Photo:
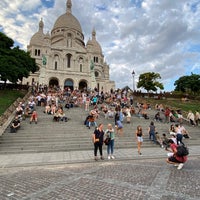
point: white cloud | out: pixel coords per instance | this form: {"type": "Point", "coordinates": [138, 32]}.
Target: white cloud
{"type": "Point", "coordinates": [145, 35]}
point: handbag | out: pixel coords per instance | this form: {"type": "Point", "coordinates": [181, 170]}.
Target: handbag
{"type": "Point", "coordinates": [107, 141]}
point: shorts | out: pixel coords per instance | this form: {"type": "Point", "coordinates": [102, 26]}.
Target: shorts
{"type": "Point", "coordinates": [173, 159]}
{"type": "Point", "coordinates": [139, 139]}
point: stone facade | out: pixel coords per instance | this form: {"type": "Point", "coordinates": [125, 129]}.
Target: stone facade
{"type": "Point", "coordinates": [64, 59]}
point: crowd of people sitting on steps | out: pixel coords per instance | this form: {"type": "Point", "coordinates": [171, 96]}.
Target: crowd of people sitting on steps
{"type": "Point", "coordinates": [23, 111]}
{"type": "Point", "coordinates": [54, 100]}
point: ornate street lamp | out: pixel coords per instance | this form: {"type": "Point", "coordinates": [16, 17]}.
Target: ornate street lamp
{"type": "Point", "coordinates": [133, 75]}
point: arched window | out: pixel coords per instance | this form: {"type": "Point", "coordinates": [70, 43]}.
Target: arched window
{"type": "Point", "coordinates": [81, 68]}
{"type": "Point", "coordinates": [37, 52]}
{"type": "Point", "coordinates": [69, 40]}
{"type": "Point", "coordinates": [96, 60]}
{"type": "Point", "coordinates": [69, 83]}
{"type": "Point", "coordinates": [96, 74]}
{"type": "Point", "coordinates": [56, 62]}
{"type": "Point", "coordinates": [69, 60]}
{"type": "Point", "coordinates": [56, 65]}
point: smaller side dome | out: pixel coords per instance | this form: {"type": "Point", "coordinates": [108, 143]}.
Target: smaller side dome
{"type": "Point", "coordinates": [89, 42]}
{"type": "Point", "coordinates": [93, 45]}
{"type": "Point", "coordinates": [38, 38]}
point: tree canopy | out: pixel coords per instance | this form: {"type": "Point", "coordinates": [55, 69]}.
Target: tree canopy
{"type": "Point", "coordinates": [15, 64]}
{"type": "Point", "coordinates": [149, 81]}
{"type": "Point", "coordinates": [188, 84]}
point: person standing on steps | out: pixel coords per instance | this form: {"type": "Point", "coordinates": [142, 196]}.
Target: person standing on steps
{"type": "Point", "coordinates": [139, 138]}
{"type": "Point", "coordinates": [98, 138]}
{"type": "Point", "coordinates": [179, 135]}
{"type": "Point", "coordinates": [118, 124]}
{"type": "Point", "coordinates": [109, 133]}
{"type": "Point", "coordinates": [152, 132]}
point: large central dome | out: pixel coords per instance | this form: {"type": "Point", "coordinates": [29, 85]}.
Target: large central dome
{"type": "Point", "coordinates": [68, 20]}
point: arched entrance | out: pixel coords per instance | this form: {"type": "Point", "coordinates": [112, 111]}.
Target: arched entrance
{"type": "Point", "coordinates": [53, 82]}
{"type": "Point", "coordinates": [69, 83]}
{"type": "Point", "coordinates": [82, 85]}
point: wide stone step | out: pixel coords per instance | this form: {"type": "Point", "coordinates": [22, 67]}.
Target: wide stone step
{"type": "Point", "coordinates": [60, 147]}
{"type": "Point", "coordinates": [61, 140]}
{"type": "Point", "coordinates": [72, 145]}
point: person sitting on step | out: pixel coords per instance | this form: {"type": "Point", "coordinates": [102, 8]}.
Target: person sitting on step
{"type": "Point", "coordinates": [158, 117]}
{"type": "Point", "coordinates": [92, 121]}
{"type": "Point", "coordinates": [61, 115]}
{"type": "Point", "coordinates": [34, 117]}
{"type": "Point", "coordinates": [15, 125]}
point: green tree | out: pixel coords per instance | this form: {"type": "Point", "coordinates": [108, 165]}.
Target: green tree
{"type": "Point", "coordinates": [5, 42]}
{"type": "Point", "coordinates": [15, 64]}
{"type": "Point", "coordinates": [149, 81]}
{"type": "Point", "coordinates": [188, 84]}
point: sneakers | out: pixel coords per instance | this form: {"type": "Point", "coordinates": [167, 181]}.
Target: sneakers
{"type": "Point", "coordinates": [113, 157]}
{"type": "Point", "coordinates": [96, 158]}
{"type": "Point", "coordinates": [109, 157]}
{"type": "Point", "coordinates": [180, 166]}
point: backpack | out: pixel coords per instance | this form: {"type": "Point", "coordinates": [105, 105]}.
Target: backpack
{"type": "Point", "coordinates": [182, 150]}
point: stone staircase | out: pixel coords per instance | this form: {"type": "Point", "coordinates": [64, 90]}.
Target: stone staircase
{"type": "Point", "coordinates": [49, 136]}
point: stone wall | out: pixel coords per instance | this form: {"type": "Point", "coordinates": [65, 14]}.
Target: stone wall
{"type": "Point", "coordinates": [8, 115]}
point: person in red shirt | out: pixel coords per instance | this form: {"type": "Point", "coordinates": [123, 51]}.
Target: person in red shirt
{"type": "Point", "coordinates": [174, 158]}
{"type": "Point", "coordinates": [34, 117]}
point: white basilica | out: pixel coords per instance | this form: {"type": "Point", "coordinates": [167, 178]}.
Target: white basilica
{"type": "Point", "coordinates": [63, 58]}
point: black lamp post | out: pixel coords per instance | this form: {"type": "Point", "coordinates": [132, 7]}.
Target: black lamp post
{"type": "Point", "coordinates": [133, 75]}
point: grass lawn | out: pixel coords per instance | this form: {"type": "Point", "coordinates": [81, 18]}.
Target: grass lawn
{"type": "Point", "coordinates": [176, 104]}
{"type": "Point", "coordinates": [7, 97]}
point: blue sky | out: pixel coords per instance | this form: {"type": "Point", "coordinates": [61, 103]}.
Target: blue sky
{"type": "Point", "coordinates": [140, 35]}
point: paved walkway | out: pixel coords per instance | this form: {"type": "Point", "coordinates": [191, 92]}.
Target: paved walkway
{"type": "Point", "coordinates": [33, 159]}
{"type": "Point", "coordinates": [145, 179]}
